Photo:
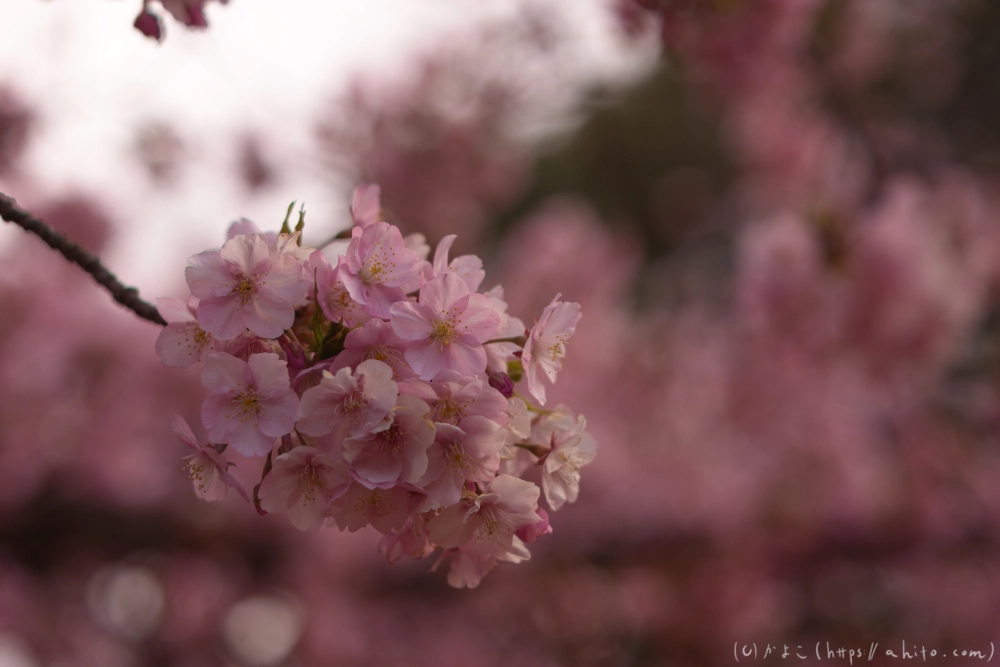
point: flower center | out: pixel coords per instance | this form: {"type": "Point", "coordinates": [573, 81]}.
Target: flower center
{"type": "Point", "coordinates": [197, 466]}
{"type": "Point", "coordinates": [556, 351]}
{"type": "Point", "coordinates": [354, 402]}
{"type": "Point", "coordinates": [201, 337]}
{"type": "Point", "coordinates": [371, 271]}
{"type": "Point", "coordinates": [390, 439]}
{"type": "Point", "coordinates": [248, 404]}
{"type": "Point", "coordinates": [458, 459]}
{"type": "Point", "coordinates": [493, 525]}
{"type": "Point", "coordinates": [245, 288]}
{"type": "Point", "coordinates": [339, 299]}
{"type": "Point", "coordinates": [443, 332]}
{"type": "Point", "coordinates": [448, 411]}
{"type": "Point", "coordinates": [375, 504]}
{"type": "Point", "coordinates": [312, 483]}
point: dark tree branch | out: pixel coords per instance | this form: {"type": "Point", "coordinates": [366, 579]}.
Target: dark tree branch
{"type": "Point", "coordinates": [126, 296]}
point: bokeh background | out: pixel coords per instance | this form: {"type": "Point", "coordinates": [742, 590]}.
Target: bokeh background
{"type": "Point", "coordinates": [778, 215]}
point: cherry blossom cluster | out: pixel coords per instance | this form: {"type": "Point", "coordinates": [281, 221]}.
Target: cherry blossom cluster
{"type": "Point", "coordinates": [380, 387]}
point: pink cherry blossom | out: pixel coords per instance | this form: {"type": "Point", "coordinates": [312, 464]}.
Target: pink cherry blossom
{"type": "Point", "coordinates": [410, 540]}
{"type": "Point", "coordinates": [207, 468]}
{"type": "Point", "coordinates": [571, 449]}
{"type": "Point", "coordinates": [418, 244]}
{"type": "Point", "coordinates": [374, 340]}
{"type": "Point", "coordinates": [303, 482]}
{"type": "Point", "coordinates": [485, 527]}
{"type": "Point", "coordinates": [331, 293]}
{"type": "Point", "coordinates": [453, 397]}
{"type": "Point", "coordinates": [469, 452]}
{"type": "Point", "coordinates": [378, 265]}
{"type": "Point", "coordinates": [395, 453]}
{"type": "Point", "coordinates": [183, 342]}
{"type": "Point", "coordinates": [545, 348]}
{"type": "Point", "coordinates": [446, 328]}
{"type": "Point", "coordinates": [246, 286]}
{"type": "Point", "coordinates": [518, 430]}
{"type": "Point", "coordinates": [251, 402]}
{"type": "Point", "coordinates": [385, 509]}
{"type": "Point", "coordinates": [349, 404]}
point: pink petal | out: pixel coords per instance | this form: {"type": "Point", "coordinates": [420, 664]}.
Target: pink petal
{"type": "Point", "coordinates": [208, 485]}
{"type": "Point", "coordinates": [378, 469]}
{"type": "Point", "coordinates": [442, 293]}
{"type": "Point", "coordinates": [245, 254]}
{"type": "Point", "coordinates": [517, 497]}
{"type": "Point", "coordinates": [380, 298]}
{"type": "Point", "coordinates": [441, 254]}
{"type": "Point", "coordinates": [390, 508]}
{"type": "Point", "coordinates": [411, 321]}
{"type": "Point", "coordinates": [378, 384]}
{"type": "Point", "coordinates": [268, 316]}
{"type": "Point", "coordinates": [219, 417]}
{"type": "Point", "coordinates": [270, 373]}
{"type": "Point", "coordinates": [535, 386]}
{"type": "Point", "coordinates": [400, 264]}
{"type": "Point", "coordinates": [426, 358]}
{"type": "Point", "coordinates": [277, 416]}
{"type": "Point", "coordinates": [479, 319]}
{"type": "Point", "coordinates": [366, 205]}
{"type": "Point", "coordinates": [465, 356]}
{"type": "Point", "coordinates": [277, 488]}
{"type": "Point", "coordinates": [247, 439]}
{"type": "Point", "coordinates": [221, 317]}
{"type": "Point", "coordinates": [184, 432]}
{"type": "Point", "coordinates": [354, 286]}
{"type": "Point", "coordinates": [173, 309]}
{"type": "Point", "coordinates": [467, 572]}
{"type": "Point", "coordinates": [308, 513]}
{"type": "Point", "coordinates": [231, 481]}
{"type": "Point", "coordinates": [207, 277]}
{"type": "Point", "coordinates": [449, 529]}
{"type": "Point", "coordinates": [177, 345]}
{"type": "Point", "coordinates": [317, 411]}
{"type": "Point", "coordinates": [285, 280]}
{"type": "Point", "coordinates": [470, 269]}
{"type": "Point", "coordinates": [564, 318]}
{"type": "Point", "coordinates": [242, 227]}
{"type": "Point", "coordinates": [225, 374]}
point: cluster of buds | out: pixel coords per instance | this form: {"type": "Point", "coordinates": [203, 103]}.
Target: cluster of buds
{"type": "Point", "coordinates": [380, 390]}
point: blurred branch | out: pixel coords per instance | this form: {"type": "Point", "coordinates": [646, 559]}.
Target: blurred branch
{"type": "Point", "coordinates": [126, 296]}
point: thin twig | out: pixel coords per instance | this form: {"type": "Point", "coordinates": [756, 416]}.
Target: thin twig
{"type": "Point", "coordinates": [126, 296]}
